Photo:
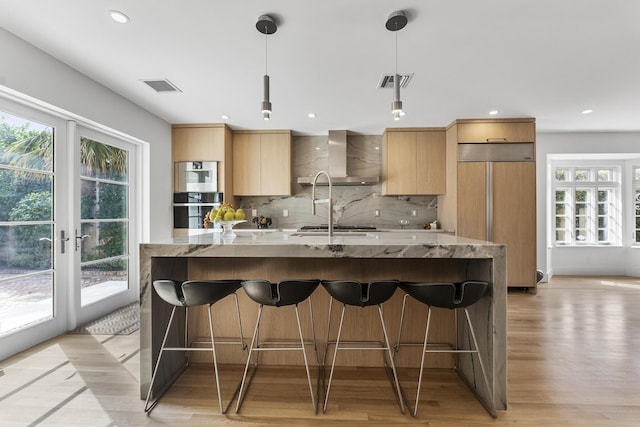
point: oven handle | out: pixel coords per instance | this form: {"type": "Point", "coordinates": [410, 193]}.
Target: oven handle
{"type": "Point", "coordinates": [197, 204]}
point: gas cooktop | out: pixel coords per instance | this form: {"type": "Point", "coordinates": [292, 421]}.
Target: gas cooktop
{"type": "Point", "coordinates": [325, 227]}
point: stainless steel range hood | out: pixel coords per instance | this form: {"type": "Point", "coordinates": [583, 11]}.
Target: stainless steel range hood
{"type": "Point", "coordinates": [337, 156]}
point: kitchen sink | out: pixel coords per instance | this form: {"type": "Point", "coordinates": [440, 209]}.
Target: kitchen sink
{"type": "Point", "coordinates": [335, 234]}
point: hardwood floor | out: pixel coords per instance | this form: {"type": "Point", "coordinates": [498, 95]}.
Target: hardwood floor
{"type": "Point", "coordinates": [574, 359]}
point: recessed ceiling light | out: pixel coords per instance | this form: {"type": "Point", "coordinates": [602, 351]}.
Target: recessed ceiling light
{"type": "Point", "coordinates": [224, 117]}
{"type": "Point", "coordinates": [317, 148]}
{"type": "Point", "coordinates": [311, 115]}
{"type": "Point", "coordinates": [118, 16]}
{"type": "Point", "coordinates": [377, 148]}
{"type": "Point", "coordinates": [587, 112]}
{"type": "Point", "coordinates": [493, 112]}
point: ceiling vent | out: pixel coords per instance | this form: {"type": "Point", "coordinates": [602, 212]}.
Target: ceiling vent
{"type": "Point", "coordinates": [162, 86]}
{"type": "Point", "coordinates": [386, 81]}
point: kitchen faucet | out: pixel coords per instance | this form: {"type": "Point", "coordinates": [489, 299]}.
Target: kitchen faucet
{"type": "Point", "coordinates": [328, 201]}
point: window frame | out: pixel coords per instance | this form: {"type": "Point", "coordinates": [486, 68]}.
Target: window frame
{"type": "Point", "coordinates": [567, 221]}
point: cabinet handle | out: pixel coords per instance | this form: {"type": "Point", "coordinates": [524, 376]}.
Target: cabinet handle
{"type": "Point", "coordinates": [496, 139]}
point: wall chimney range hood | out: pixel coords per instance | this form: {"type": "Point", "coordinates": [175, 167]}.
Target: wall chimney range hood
{"type": "Point", "coordinates": [337, 157]}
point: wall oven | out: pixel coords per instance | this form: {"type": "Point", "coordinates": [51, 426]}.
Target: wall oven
{"type": "Point", "coordinates": [199, 177]}
{"type": "Point", "coordinates": [189, 208]}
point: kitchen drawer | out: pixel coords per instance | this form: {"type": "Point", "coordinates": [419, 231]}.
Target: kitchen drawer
{"type": "Point", "coordinates": [496, 131]}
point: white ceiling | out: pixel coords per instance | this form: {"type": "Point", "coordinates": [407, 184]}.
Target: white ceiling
{"type": "Point", "coordinates": [547, 59]}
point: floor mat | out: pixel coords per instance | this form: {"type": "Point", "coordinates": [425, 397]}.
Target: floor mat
{"type": "Point", "coordinates": [123, 321]}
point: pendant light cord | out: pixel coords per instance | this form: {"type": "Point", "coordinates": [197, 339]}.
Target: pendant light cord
{"type": "Point", "coordinates": [266, 49]}
{"type": "Point", "coordinates": [396, 48]}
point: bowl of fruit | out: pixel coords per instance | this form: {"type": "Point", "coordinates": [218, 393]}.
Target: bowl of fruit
{"type": "Point", "coordinates": [227, 217]}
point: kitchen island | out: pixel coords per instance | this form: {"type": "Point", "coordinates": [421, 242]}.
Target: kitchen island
{"type": "Point", "coordinates": [283, 254]}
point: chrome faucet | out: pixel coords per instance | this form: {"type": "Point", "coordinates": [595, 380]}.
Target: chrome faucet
{"type": "Point", "coordinates": [328, 201]}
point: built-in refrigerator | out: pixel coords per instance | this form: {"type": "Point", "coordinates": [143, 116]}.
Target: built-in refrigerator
{"type": "Point", "coordinates": [497, 202]}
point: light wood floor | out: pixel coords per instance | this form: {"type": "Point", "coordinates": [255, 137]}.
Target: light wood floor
{"type": "Point", "coordinates": [574, 359]}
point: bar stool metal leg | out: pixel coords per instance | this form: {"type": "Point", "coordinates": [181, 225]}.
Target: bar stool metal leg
{"type": "Point", "coordinates": [148, 407]}
{"type": "Point", "coordinates": [491, 410]}
{"type": "Point", "coordinates": [393, 366]}
{"type": "Point", "coordinates": [333, 362]}
{"type": "Point", "coordinates": [306, 363]}
{"type": "Point", "coordinates": [424, 351]}
{"type": "Point", "coordinates": [215, 361]}
{"type": "Point", "coordinates": [244, 344]}
{"type": "Point", "coordinates": [246, 368]}
{"type": "Point", "coordinates": [396, 348]}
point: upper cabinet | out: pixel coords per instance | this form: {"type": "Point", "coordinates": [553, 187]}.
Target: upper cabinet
{"type": "Point", "coordinates": [262, 163]}
{"type": "Point", "coordinates": [495, 130]}
{"type": "Point", "coordinates": [413, 161]}
{"type": "Point", "coordinates": [205, 142]}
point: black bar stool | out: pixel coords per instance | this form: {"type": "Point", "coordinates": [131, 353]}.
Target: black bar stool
{"type": "Point", "coordinates": [452, 296]}
{"type": "Point", "coordinates": [287, 292]}
{"type": "Point", "coordinates": [353, 293]}
{"type": "Point", "coordinates": [191, 294]}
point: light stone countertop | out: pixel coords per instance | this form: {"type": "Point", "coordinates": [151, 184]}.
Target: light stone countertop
{"type": "Point", "coordinates": [285, 243]}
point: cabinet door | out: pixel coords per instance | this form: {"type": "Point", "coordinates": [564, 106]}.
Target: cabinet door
{"type": "Point", "coordinates": [472, 200]}
{"type": "Point", "coordinates": [401, 163]}
{"type": "Point", "coordinates": [514, 219]}
{"type": "Point", "coordinates": [496, 132]}
{"type": "Point", "coordinates": [197, 143]}
{"type": "Point", "coordinates": [275, 164]}
{"type": "Point", "coordinates": [246, 164]}
{"type": "Point", "coordinates": [430, 162]}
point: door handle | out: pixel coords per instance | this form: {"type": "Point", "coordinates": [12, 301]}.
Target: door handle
{"type": "Point", "coordinates": [80, 239]}
{"type": "Point", "coordinates": [62, 239]}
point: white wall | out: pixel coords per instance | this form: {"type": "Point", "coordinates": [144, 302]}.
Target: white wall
{"type": "Point", "coordinates": [31, 72]}
{"type": "Point", "coordinates": [583, 260]}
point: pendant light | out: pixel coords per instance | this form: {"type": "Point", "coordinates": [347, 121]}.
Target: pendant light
{"type": "Point", "coordinates": [395, 22]}
{"type": "Point", "coordinates": [266, 25]}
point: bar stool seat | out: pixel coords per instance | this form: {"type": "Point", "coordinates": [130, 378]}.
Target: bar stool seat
{"type": "Point", "coordinates": [451, 296]}
{"type": "Point", "coordinates": [189, 294]}
{"type": "Point", "coordinates": [354, 293]}
{"type": "Point", "coordinates": [281, 294]}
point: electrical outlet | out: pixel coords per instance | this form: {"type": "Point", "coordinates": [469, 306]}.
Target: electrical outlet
{"type": "Point", "coordinates": [285, 213]}
{"type": "Point", "coordinates": [414, 213]}
{"type": "Point", "coordinates": [376, 212]}
{"type": "Point", "coordinates": [254, 212]}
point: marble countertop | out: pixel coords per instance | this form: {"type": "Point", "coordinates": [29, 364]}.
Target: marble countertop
{"type": "Point", "coordinates": [288, 243]}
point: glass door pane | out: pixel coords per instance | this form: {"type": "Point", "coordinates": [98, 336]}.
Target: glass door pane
{"type": "Point", "coordinates": [26, 223]}
{"type": "Point", "coordinates": [103, 238]}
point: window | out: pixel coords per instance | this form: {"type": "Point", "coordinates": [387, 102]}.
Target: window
{"type": "Point", "coordinates": [588, 206]}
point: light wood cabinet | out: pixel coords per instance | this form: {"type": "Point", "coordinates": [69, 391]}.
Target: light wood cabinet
{"type": "Point", "coordinates": [500, 130]}
{"type": "Point", "coordinates": [246, 163]}
{"type": "Point", "coordinates": [204, 142]}
{"type": "Point", "coordinates": [514, 219]}
{"type": "Point", "coordinates": [413, 161]}
{"type": "Point", "coordinates": [512, 213]}
{"type": "Point", "coordinates": [262, 163]}
{"type": "Point", "coordinates": [509, 188]}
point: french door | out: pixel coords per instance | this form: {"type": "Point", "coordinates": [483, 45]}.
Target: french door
{"type": "Point", "coordinates": [66, 234]}
{"type": "Point", "coordinates": [103, 233]}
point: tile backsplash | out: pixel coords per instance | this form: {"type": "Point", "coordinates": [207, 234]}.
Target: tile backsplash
{"type": "Point", "coordinates": [353, 205]}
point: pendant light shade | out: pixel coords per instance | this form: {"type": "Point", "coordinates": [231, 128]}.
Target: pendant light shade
{"type": "Point", "coordinates": [396, 105]}
{"type": "Point", "coordinates": [266, 104]}
{"type": "Point", "coordinates": [395, 22]}
{"type": "Point", "coordinates": [266, 25]}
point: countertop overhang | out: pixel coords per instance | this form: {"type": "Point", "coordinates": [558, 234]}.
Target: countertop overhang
{"type": "Point", "coordinates": [284, 243]}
